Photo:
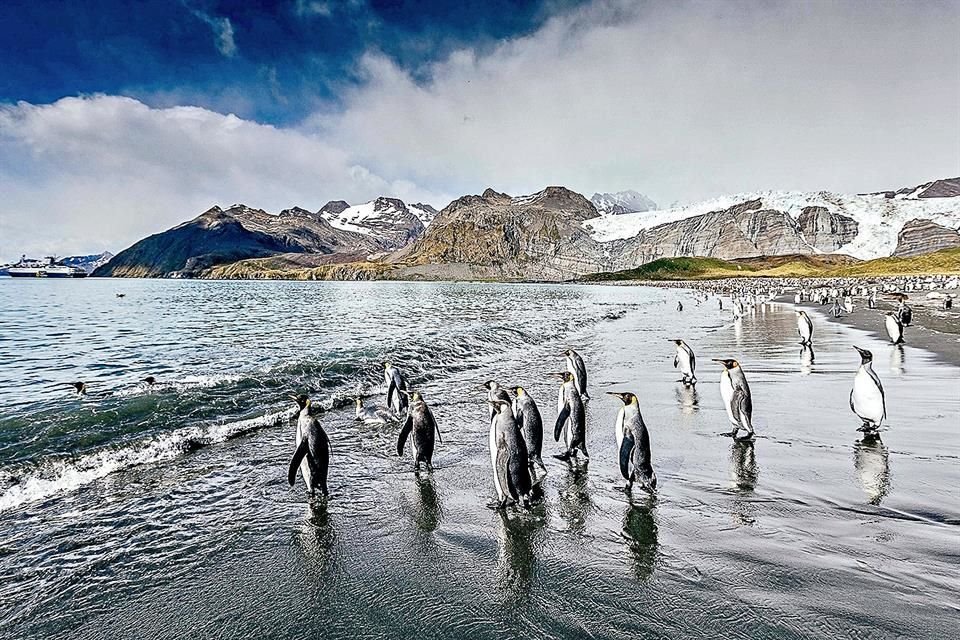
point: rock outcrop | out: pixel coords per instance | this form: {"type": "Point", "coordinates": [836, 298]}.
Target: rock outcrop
{"type": "Point", "coordinates": [925, 236]}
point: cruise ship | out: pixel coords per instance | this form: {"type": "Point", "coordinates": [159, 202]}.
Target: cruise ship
{"type": "Point", "coordinates": [46, 268]}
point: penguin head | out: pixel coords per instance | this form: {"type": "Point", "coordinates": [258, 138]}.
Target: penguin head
{"type": "Point", "coordinates": [81, 387]}
{"type": "Point", "coordinates": [491, 385]}
{"type": "Point", "coordinates": [386, 365]}
{"type": "Point", "coordinates": [728, 363]}
{"type": "Point", "coordinates": [865, 356]}
{"type": "Point", "coordinates": [302, 400]}
{"type": "Point", "coordinates": [627, 397]}
{"type": "Point", "coordinates": [498, 404]}
{"type": "Point", "coordinates": [150, 380]}
{"type": "Point", "coordinates": [415, 396]}
{"type": "Point", "coordinates": [358, 401]}
{"type": "Point", "coordinates": [676, 341]}
{"type": "Point", "coordinates": [518, 391]}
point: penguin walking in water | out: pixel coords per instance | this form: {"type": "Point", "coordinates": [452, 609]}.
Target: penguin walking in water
{"type": "Point", "coordinates": [528, 417]}
{"type": "Point", "coordinates": [397, 400]}
{"type": "Point", "coordinates": [736, 397]}
{"type": "Point", "coordinates": [312, 455]}
{"type": "Point", "coordinates": [633, 444]}
{"type": "Point", "coordinates": [370, 415]}
{"type": "Point", "coordinates": [509, 457]}
{"type": "Point", "coordinates": [421, 423]}
{"type": "Point", "coordinates": [578, 370]}
{"type": "Point", "coordinates": [571, 419]}
{"type": "Point", "coordinates": [685, 361]}
{"type": "Point", "coordinates": [866, 397]}
{"type": "Point", "coordinates": [495, 392]}
{"type": "Point", "coordinates": [894, 327]}
{"type": "Point", "coordinates": [804, 328]}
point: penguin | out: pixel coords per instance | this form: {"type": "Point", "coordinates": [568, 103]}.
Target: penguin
{"type": "Point", "coordinates": [150, 381]}
{"type": "Point", "coordinates": [736, 397]}
{"type": "Point", "coordinates": [495, 392]}
{"type": "Point", "coordinates": [509, 457]}
{"type": "Point", "coordinates": [866, 397]}
{"type": "Point", "coordinates": [531, 425]}
{"type": "Point", "coordinates": [837, 310]}
{"type": "Point", "coordinates": [894, 328]}
{"type": "Point", "coordinates": [312, 455]}
{"type": "Point", "coordinates": [848, 304]}
{"type": "Point", "coordinates": [720, 300]}
{"type": "Point", "coordinates": [685, 361]}
{"type": "Point", "coordinates": [579, 371]}
{"type": "Point", "coordinates": [421, 422]}
{"type": "Point", "coordinates": [571, 419]}
{"type": "Point", "coordinates": [804, 327]}
{"type": "Point", "coordinates": [679, 306]}
{"type": "Point", "coordinates": [80, 387]}
{"type": "Point", "coordinates": [396, 384]}
{"type": "Point", "coordinates": [904, 314]}
{"type": "Point", "coordinates": [797, 298]}
{"type": "Point", "coordinates": [633, 444]}
{"type": "Point", "coordinates": [872, 301]}
{"type": "Point", "coordinates": [370, 415]}
{"type": "Point", "coordinates": [121, 295]}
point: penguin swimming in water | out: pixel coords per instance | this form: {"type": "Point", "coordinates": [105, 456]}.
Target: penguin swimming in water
{"type": "Point", "coordinates": [685, 361]}
{"type": "Point", "coordinates": [150, 381]}
{"type": "Point", "coordinates": [370, 415]}
{"type": "Point", "coordinates": [421, 423]}
{"type": "Point", "coordinates": [579, 372]}
{"type": "Point", "coordinates": [509, 457]}
{"type": "Point", "coordinates": [79, 387]}
{"type": "Point", "coordinates": [866, 397]}
{"type": "Point", "coordinates": [495, 392]}
{"type": "Point", "coordinates": [312, 455]}
{"type": "Point", "coordinates": [396, 385]}
{"type": "Point", "coordinates": [571, 419]}
{"type": "Point", "coordinates": [894, 327]}
{"type": "Point", "coordinates": [531, 425]}
{"type": "Point", "coordinates": [633, 443]}
{"type": "Point", "coordinates": [736, 397]}
{"type": "Point", "coordinates": [804, 328]}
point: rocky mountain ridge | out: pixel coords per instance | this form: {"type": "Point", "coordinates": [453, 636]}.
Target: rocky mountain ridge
{"type": "Point", "coordinates": [629, 201]}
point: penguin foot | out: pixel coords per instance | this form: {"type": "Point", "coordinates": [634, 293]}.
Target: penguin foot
{"type": "Point", "coordinates": [563, 456]}
{"type": "Point", "coordinates": [730, 434]}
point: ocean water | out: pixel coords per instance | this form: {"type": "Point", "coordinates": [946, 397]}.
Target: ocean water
{"type": "Point", "coordinates": [165, 512]}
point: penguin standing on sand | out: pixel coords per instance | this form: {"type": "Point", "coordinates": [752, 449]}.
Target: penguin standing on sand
{"type": "Point", "coordinates": [421, 423]}
{"type": "Point", "coordinates": [495, 392]}
{"type": "Point", "coordinates": [679, 306]}
{"type": "Point", "coordinates": [531, 425]}
{"type": "Point", "coordinates": [571, 419]}
{"type": "Point", "coordinates": [736, 397]}
{"type": "Point", "coordinates": [872, 301]}
{"type": "Point", "coordinates": [396, 385]}
{"type": "Point", "coordinates": [894, 327]}
{"type": "Point", "coordinates": [804, 328]}
{"type": "Point", "coordinates": [685, 361]}
{"type": "Point", "coordinates": [904, 313]}
{"type": "Point", "coordinates": [312, 455]}
{"type": "Point", "coordinates": [633, 444]}
{"type": "Point", "coordinates": [866, 397]}
{"type": "Point", "coordinates": [509, 457]}
{"type": "Point", "coordinates": [578, 369]}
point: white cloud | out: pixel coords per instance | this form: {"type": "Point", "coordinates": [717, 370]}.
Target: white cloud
{"type": "Point", "coordinates": [222, 31]}
{"type": "Point", "coordinates": [87, 174]}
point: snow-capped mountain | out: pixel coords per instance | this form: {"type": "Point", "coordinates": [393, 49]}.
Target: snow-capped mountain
{"type": "Point", "coordinates": [388, 219]}
{"type": "Point", "coordinates": [611, 204]}
{"type": "Point", "coordinates": [877, 218]}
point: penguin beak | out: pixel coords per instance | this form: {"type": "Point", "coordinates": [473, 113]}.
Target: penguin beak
{"type": "Point", "coordinates": [294, 398]}
{"type": "Point", "coordinates": [615, 393]}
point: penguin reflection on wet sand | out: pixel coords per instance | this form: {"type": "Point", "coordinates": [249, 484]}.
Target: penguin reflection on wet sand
{"type": "Point", "coordinates": [312, 455]}
{"type": "Point", "coordinates": [743, 465]}
{"type": "Point", "coordinates": [871, 461]}
{"type": "Point", "coordinates": [866, 398]}
{"type": "Point", "coordinates": [640, 532]}
{"type": "Point", "coordinates": [571, 419]}
{"type": "Point", "coordinates": [421, 423]}
{"type": "Point", "coordinates": [633, 444]}
{"type": "Point", "coordinates": [807, 358]}
{"type": "Point", "coordinates": [509, 458]}
{"type": "Point", "coordinates": [531, 425]}
{"type": "Point", "coordinates": [736, 397]}
{"type": "Point", "coordinates": [685, 361]}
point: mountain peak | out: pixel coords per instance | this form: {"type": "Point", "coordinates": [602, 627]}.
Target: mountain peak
{"type": "Point", "coordinates": [334, 207]}
{"type": "Point", "coordinates": [628, 201]}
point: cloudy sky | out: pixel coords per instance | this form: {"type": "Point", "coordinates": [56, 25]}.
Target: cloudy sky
{"type": "Point", "coordinates": [118, 120]}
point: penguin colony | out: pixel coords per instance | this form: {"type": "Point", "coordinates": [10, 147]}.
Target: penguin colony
{"type": "Point", "coordinates": [516, 424]}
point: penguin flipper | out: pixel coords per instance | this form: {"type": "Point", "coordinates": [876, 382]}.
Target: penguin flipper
{"type": "Point", "coordinates": [676, 361]}
{"type": "Point", "coordinates": [561, 420]}
{"type": "Point", "coordinates": [436, 427]}
{"type": "Point", "coordinates": [295, 461]}
{"type": "Point", "coordinates": [404, 432]}
{"type": "Point", "coordinates": [743, 408]}
{"type": "Point", "coordinates": [390, 390]}
{"type": "Point", "coordinates": [626, 451]}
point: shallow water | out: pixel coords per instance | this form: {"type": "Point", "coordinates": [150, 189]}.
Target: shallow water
{"type": "Point", "coordinates": [166, 512]}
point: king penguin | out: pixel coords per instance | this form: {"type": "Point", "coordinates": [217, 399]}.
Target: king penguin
{"type": "Point", "coordinates": [866, 397]}
{"type": "Point", "coordinates": [396, 384]}
{"type": "Point", "coordinates": [571, 419]}
{"type": "Point", "coordinates": [894, 327]}
{"type": "Point", "coordinates": [633, 444]}
{"type": "Point", "coordinates": [904, 313]}
{"type": "Point", "coordinates": [579, 372]}
{"type": "Point", "coordinates": [531, 425]}
{"type": "Point", "coordinates": [736, 397]}
{"type": "Point", "coordinates": [685, 361]}
{"type": "Point", "coordinates": [509, 457]}
{"type": "Point", "coordinates": [804, 327]}
{"type": "Point", "coordinates": [421, 423]}
{"type": "Point", "coordinates": [312, 455]}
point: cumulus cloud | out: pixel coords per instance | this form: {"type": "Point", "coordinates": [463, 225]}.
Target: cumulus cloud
{"type": "Point", "coordinates": [86, 174]}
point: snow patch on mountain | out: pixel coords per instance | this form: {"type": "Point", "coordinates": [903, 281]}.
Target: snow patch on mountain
{"type": "Point", "coordinates": [367, 217]}
{"type": "Point", "coordinates": [622, 202]}
{"type": "Point", "coordinates": [880, 219]}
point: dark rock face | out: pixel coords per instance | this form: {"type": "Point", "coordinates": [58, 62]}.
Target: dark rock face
{"type": "Point", "coordinates": [334, 207]}
{"type": "Point", "coordinates": [222, 236]}
{"type": "Point", "coordinates": [943, 188]}
{"type": "Point", "coordinates": [922, 236]}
